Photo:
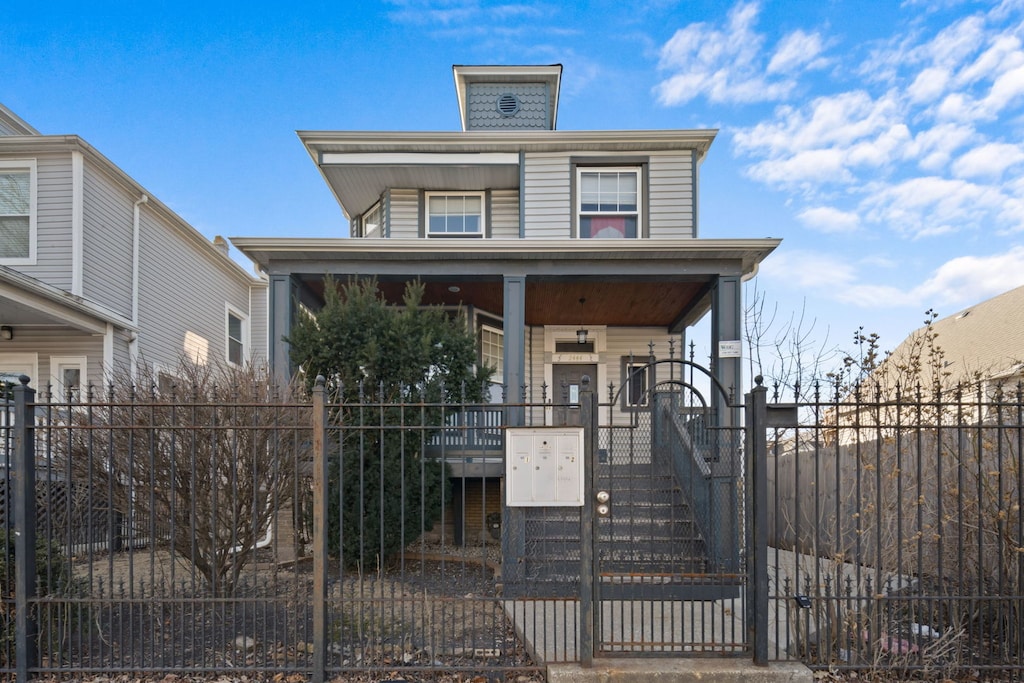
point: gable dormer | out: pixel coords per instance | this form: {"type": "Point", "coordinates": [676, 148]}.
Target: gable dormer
{"type": "Point", "coordinates": [508, 97]}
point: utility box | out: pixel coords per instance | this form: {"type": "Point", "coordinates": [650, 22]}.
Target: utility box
{"type": "Point", "coordinates": [544, 467]}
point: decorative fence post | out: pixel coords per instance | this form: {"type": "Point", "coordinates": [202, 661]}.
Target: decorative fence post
{"type": "Point", "coordinates": [588, 613]}
{"type": "Point", "coordinates": [26, 648]}
{"type": "Point", "coordinates": [757, 520]}
{"type": "Point", "coordinates": [319, 532]}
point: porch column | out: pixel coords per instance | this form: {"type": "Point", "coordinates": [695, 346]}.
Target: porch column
{"type": "Point", "coordinates": [515, 344]}
{"type": "Point", "coordinates": [513, 522]}
{"type": "Point", "coordinates": [282, 294]}
{"type": "Point", "coordinates": [727, 326]}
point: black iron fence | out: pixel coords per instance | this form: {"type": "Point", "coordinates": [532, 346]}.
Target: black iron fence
{"type": "Point", "coordinates": [239, 532]}
{"type": "Point", "coordinates": [895, 533]}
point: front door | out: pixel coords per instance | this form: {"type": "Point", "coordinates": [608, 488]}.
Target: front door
{"type": "Point", "coordinates": [567, 383]}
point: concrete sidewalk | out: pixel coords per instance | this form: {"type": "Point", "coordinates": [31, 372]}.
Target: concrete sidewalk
{"type": "Point", "coordinates": [665, 641]}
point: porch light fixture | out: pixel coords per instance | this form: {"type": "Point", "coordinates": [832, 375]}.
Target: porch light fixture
{"type": "Point", "coordinates": [581, 334]}
{"type": "Point", "coordinates": [6, 332]}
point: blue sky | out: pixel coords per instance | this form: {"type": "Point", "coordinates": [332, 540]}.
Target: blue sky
{"type": "Point", "coordinates": [882, 141]}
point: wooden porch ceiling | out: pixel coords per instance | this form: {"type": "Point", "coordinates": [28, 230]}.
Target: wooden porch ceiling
{"type": "Point", "coordinates": [557, 302]}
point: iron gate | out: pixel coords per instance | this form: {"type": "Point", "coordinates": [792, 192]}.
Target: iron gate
{"type": "Point", "coordinates": [666, 499]}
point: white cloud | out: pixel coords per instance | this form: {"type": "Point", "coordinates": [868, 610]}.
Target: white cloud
{"type": "Point", "coordinates": [828, 219]}
{"type": "Point", "coordinates": [969, 279]}
{"type": "Point", "coordinates": [965, 279]}
{"type": "Point", "coordinates": [929, 206]}
{"type": "Point", "coordinates": [988, 161]}
{"type": "Point", "coordinates": [796, 50]}
{"type": "Point", "coordinates": [800, 269]}
{"type": "Point", "coordinates": [924, 156]}
{"type": "Point", "coordinates": [933, 147]}
{"type": "Point", "coordinates": [833, 121]}
{"type": "Point", "coordinates": [725, 63]}
{"type": "Point", "coordinates": [928, 85]}
{"type": "Point", "coordinates": [806, 168]}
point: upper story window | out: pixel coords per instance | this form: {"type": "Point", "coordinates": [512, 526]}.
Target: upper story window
{"type": "Point", "coordinates": [18, 212]}
{"type": "Point", "coordinates": [372, 221]}
{"type": "Point", "coordinates": [235, 337]}
{"type": "Point", "coordinates": [609, 206]}
{"type": "Point", "coordinates": [455, 215]}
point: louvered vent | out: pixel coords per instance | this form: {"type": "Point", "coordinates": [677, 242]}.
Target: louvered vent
{"type": "Point", "coordinates": [508, 104]}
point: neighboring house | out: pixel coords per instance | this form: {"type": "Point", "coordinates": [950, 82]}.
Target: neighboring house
{"type": "Point", "coordinates": [946, 372]}
{"type": "Point", "coordinates": [983, 343]}
{"type": "Point", "coordinates": [97, 275]}
{"type": "Point", "coordinates": [570, 251]}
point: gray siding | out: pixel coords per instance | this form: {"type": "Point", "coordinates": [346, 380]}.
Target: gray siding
{"type": "Point", "coordinates": [404, 214]}
{"type": "Point", "coordinates": [482, 106]}
{"type": "Point", "coordinates": [259, 310]}
{"type": "Point", "coordinates": [548, 211]}
{"type": "Point", "coordinates": [670, 195]}
{"type": "Point", "coordinates": [107, 243]}
{"type": "Point", "coordinates": [53, 221]}
{"type": "Point", "coordinates": [47, 342]}
{"type": "Point", "coordinates": [505, 214]}
{"type": "Point", "coordinates": [182, 292]}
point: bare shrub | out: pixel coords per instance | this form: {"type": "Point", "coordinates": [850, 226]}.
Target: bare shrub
{"type": "Point", "coordinates": [201, 463]}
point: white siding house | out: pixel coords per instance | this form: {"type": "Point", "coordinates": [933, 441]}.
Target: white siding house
{"type": "Point", "coordinates": [96, 274]}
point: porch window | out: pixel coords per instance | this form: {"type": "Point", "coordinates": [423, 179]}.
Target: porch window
{"type": "Point", "coordinates": [17, 212]}
{"type": "Point", "coordinates": [608, 204]}
{"type": "Point", "coordinates": [492, 349]}
{"type": "Point", "coordinates": [372, 222]}
{"type": "Point", "coordinates": [455, 215]}
{"type": "Point", "coordinates": [634, 384]}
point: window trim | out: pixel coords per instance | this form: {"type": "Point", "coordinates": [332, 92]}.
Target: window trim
{"type": "Point", "coordinates": [481, 234]}
{"type": "Point", "coordinates": [499, 332]}
{"type": "Point", "coordinates": [243, 319]}
{"type": "Point", "coordinates": [636, 169]}
{"type": "Point", "coordinates": [33, 205]}
{"type": "Point", "coordinates": [628, 365]}
{"type": "Point", "coordinates": [60, 363]}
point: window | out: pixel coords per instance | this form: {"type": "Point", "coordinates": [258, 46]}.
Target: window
{"type": "Point", "coordinates": [17, 212]}
{"type": "Point", "coordinates": [371, 222]}
{"type": "Point", "coordinates": [67, 375]}
{"type": "Point", "coordinates": [608, 203]}
{"type": "Point", "coordinates": [492, 350]}
{"type": "Point", "coordinates": [634, 384]}
{"type": "Point", "coordinates": [458, 215]}
{"type": "Point", "coordinates": [235, 337]}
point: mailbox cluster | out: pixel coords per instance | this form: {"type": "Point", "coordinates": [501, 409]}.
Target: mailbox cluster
{"type": "Point", "coordinates": [544, 467]}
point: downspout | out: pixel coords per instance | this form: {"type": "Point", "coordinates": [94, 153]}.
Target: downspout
{"type": "Point", "coordinates": [133, 342]}
{"type": "Point", "coordinates": [77, 222]}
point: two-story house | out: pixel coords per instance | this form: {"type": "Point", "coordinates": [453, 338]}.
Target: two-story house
{"type": "Point", "coordinates": [573, 253]}
{"type": "Point", "coordinates": [96, 274]}
{"type": "Point", "coordinates": [541, 234]}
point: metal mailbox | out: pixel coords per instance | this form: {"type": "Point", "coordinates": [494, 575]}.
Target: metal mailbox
{"type": "Point", "coordinates": [544, 466]}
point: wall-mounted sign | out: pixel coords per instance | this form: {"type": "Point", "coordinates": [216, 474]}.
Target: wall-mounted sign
{"type": "Point", "coordinates": [730, 349]}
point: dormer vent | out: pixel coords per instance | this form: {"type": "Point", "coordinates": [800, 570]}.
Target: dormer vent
{"type": "Point", "coordinates": [508, 104]}
{"type": "Point", "coordinates": [507, 97]}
